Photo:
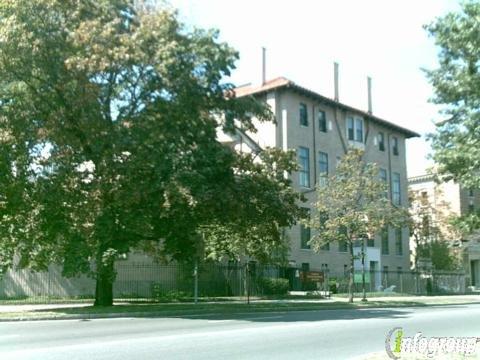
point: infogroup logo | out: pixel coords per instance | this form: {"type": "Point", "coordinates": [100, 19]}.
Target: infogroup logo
{"type": "Point", "coordinates": [397, 344]}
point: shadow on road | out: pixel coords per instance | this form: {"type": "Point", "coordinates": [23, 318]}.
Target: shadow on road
{"type": "Point", "coordinates": [307, 315]}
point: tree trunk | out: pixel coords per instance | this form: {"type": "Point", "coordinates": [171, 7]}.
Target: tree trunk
{"type": "Point", "coordinates": [104, 284]}
{"type": "Point", "coordinates": [352, 272]}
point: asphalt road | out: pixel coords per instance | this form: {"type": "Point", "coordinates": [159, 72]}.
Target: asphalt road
{"type": "Point", "coordinates": [325, 334]}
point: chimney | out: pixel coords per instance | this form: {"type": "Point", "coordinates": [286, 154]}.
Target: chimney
{"type": "Point", "coordinates": [369, 84]}
{"type": "Point", "coordinates": [264, 66]}
{"type": "Point", "coordinates": [335, 72]}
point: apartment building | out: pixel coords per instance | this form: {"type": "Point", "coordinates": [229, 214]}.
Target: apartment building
{"type": "Point", "coordinates": [321, 130]}
{"type": "Point", "coordinates": [447, 199]}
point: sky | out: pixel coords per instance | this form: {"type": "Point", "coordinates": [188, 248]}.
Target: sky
{"type": "Point", "coordinates": [383, 39]}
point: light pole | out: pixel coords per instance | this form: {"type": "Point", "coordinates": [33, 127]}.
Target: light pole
{"type": "Point", "coordinates": [364, 238]}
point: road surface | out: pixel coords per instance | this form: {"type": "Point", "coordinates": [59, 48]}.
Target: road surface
{"type": "Point", "coordinates": [324, 334]}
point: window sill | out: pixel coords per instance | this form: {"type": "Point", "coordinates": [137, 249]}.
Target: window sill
{"type": "Point", "coordinates": [356, 144]}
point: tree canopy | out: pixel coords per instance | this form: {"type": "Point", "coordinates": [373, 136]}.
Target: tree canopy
{"type": "Point", "coordinates": [435, 238]}
{"type": "Point", "coordinates": [352, 205]}
{"type": "Point", "coordinates": [108, 121]}
{"type": "Point", "coordinates": [456, 142]}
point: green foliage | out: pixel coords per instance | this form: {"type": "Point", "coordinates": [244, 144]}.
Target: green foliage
{"type": "Point", "coordinates": [332, 285]}
{"type": "Point", "coordinates": [456, 142]}
{"type": "Point", "coordinates": [274, 286]}
{"type": "Point", "coordinates": [108, 120]}
{"type": "Point", "coordinates": [442, 255]}
{"type": "Point", "coordinates": [263, 204]}
{"type": "Point", "coordinates": [308, 285]}
{"type": "Point", "coordinates": [158, 294]}
{"type": "Point", "coordinates": [430, 225]}
{"type": "Point", "coordinates": [352, 205]}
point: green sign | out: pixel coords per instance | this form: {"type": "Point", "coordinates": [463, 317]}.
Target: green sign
{"type": "Point", "coordinates": [358, 277]}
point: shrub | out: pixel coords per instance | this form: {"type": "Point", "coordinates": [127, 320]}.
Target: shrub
{"type": "Point", "coordinates": [429, 286]}
{"type": "Point", "coordinates": [168, 296]}
{"type": "Point", "coordinates": [332, 285]}
{"type": "Point", "coordinates": [309, 286]}
{"type": "Point", "coordinates": [274, 286]}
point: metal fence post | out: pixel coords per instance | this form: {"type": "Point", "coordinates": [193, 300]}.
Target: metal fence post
{"type": "Point", "coordinates": [195, 274]}
{"type": "Point", "coordinates": [401, 283]}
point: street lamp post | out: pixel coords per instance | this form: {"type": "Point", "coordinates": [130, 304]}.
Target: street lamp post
{"type": "Point", "coordinates": [364, 298]}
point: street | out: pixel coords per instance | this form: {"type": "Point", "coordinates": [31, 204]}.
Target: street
{"type": "Point", "coordinates": [325, 334]}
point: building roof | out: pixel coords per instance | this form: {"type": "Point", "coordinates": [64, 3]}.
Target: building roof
{"type": "Point", "coordinates": [284, 83]}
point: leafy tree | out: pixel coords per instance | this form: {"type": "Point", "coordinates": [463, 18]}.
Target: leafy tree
{"type": "Point", "coordinates": [456, 142]}
{"type": "Point", "coordinates": [108, 120]}
{"type": "Point", "coordinates": [266, 205]}
{"type": "Point", "coordinates": [431, 228]}
{"type": "Point", "coordinates": [352, 205]}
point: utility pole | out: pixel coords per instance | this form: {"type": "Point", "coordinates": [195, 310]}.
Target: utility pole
{"type": "Point", "coordinates": [195, 275]}
{"type": "Point", "coordinates": [364, 298]}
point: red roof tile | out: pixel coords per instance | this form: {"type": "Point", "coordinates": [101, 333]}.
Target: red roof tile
{"type": "Point", "coordinates": [282, 82]}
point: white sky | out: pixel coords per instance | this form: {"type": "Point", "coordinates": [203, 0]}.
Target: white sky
{"type": "Point", "coordinates": [383, 39]}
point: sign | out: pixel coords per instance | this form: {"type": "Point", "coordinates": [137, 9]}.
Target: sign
{"type": "Point", "coordinates": [313, 276]}
{"type": "Point", "coordinates": [358, 277]}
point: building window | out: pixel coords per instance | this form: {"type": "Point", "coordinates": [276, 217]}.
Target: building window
{"type": "Point", "coordinates": [398, 241]}
{"type": "Point", "coordinates": [396, 189]}
{"type": "Point", "coordinates": [303, 114]}
{"type": "Point", "coordinates": [322, 168]}
{"type": "Point", "coordinates": [383, 177]}
{"type": "Point", "coordinates": [350, 129]}
{"type": "Point", "coordinates": [355, 129]}
{"type": "Point", "coordinates": [470, 192]}
{"type": "Point", "coordinates": [370, 242]}
{"type": "Point", "coordinates": [342, 246]}
{"type": "Point", "coordinates": [304, 162]}
{"type": "Point", "coordinates": [345, 269]}
{"type": "Point", "coordinates": [359, 130]}
{"type": "Point", "coordinates": [305, 233]}
{"type": "Point", "coordinates": [385, 270]}
{"type": "Point", "coordinates": [395, 145]}
{"type": "Point", "coordinates": [381, 141]}
{"type": "Point", "coordinates": [322, 121]}
{"type": "Point", "coordinates": [384, 236]}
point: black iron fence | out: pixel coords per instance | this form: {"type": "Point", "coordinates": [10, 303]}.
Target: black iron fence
{"type": "Point", "coordinates": [179, 282]}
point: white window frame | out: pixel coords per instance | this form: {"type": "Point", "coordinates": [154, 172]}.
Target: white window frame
{"type": "Point", "coordinates": [356, 121]}
{"type": "Point", "coordinates": [302, 171]}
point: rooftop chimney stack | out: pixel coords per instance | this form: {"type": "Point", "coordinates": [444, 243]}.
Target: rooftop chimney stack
{"type": "Point", "coordinates": [335, 72]}
{"type": "Point", "coordinates": [264, 65]}
{"type": "Point", "coordinates": [369, 84]}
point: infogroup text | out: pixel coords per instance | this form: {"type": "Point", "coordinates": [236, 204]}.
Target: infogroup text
{"type": "Point", "coordinates": [397, 344]}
